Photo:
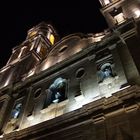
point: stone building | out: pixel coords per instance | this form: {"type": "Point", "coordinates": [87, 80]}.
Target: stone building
{"type": "Point", "coordinates": [80, 87]}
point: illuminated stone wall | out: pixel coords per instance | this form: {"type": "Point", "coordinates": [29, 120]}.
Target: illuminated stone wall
{"type": "Point", "coordinates": [85, 87]}
{"type": "Point", "coordinates": [83, 84]}
{"type": "Point", "coordinates": [130, 9]}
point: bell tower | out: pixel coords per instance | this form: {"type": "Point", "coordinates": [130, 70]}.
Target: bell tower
{"type": "Point", "coordinates": [31, 52]}
{"type": "Point", "coordinates": [118, 11]}
{"type": "Point", "coordinates": [39, 41]}
{"type": "Point", "coordinates": [45, 32]}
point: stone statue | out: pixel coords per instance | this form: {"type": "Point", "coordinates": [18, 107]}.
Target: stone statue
{"type": "Point", "coordinates": [16, 111]}
{"type": "Point", "coordinates": [57, 89]}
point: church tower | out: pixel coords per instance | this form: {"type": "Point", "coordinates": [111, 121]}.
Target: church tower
{"type": "Point", "coordinates": [39, 41]}
{"type": "Point", "coordinates": [26, 56]}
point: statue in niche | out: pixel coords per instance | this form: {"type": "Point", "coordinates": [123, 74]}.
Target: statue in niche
{"type": "Point", "coordinates": [16, 111]}
{"type": "Point", "coordinates": [57, 90]}
{"type": "Point", "coordinates": [105, 72]}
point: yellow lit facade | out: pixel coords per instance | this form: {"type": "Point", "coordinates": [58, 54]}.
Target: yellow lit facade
{"type": "Point", "coordinates": [51, 38]}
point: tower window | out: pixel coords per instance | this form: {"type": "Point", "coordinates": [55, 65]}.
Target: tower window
{"type": "Point", "coordinates": [119, 18]}
{"type": "Point", "coordinates": [117, 14]}
{"type": "Point", "coordinates": [51, 38]}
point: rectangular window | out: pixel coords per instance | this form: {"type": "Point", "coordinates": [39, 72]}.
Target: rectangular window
{"type": "Point", "coordinates": [118, 15]}
{"type": "Point", "coordinates": [119, 18]}
{"type": "Point", "coordinates": [106, 2]}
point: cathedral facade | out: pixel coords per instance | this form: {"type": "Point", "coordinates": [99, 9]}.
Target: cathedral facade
{"type": "Point", "coordinates": [79, 87]}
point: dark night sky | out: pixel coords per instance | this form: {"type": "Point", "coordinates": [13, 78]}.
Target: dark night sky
{"type": "Point", "coordinates": [17, 18]}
